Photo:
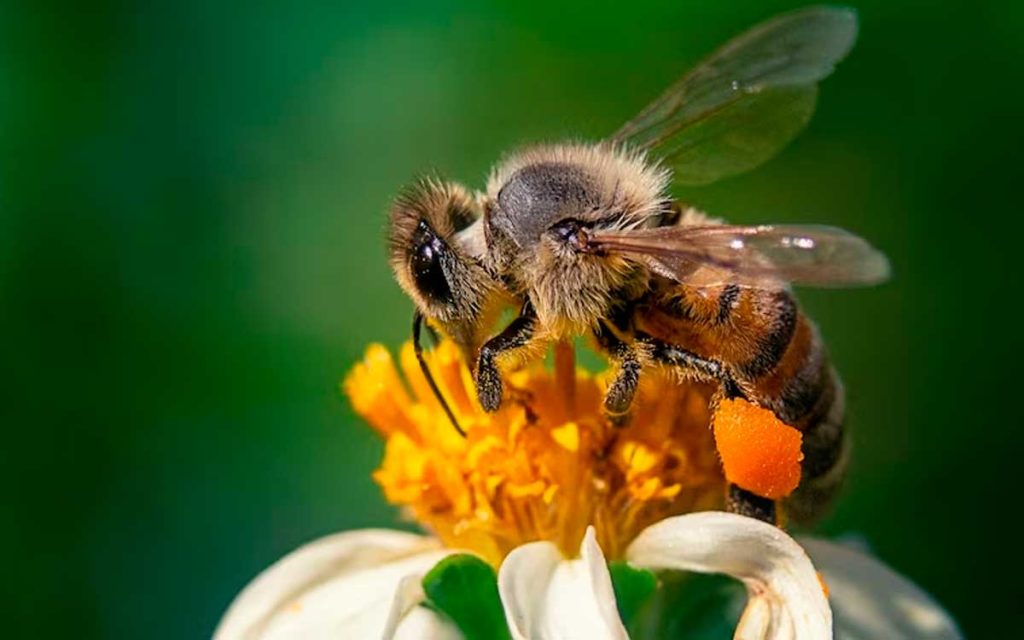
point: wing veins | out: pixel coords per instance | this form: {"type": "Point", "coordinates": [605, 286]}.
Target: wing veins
{"type": "Point", "coordinates": [716, 102]}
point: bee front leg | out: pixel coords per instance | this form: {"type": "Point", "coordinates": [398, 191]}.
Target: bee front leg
{"type": "Point", "coordinates": [518, 333]}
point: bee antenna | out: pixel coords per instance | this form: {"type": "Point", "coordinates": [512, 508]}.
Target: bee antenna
{"type": "Point", "coordinates": [417, 324]}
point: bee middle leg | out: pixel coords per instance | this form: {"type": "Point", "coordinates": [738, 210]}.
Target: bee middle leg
{"type": "Point", "coordinates": [518, 333]}
{"type": "Point", "coordinates": [618, 398]}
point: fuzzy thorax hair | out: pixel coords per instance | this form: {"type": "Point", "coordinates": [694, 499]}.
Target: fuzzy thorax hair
{"type": "Point", "coordinates": [534, 191]}
{"type": "Point", "coordinates": [623, 178]}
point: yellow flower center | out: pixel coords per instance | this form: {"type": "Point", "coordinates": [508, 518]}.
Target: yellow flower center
{"type": "Point", "coordinates": [544, 466]}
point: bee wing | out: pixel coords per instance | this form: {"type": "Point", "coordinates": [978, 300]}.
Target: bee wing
{"type": "Point", "coordinates": [760, 256]}
{"type": "Point", "coordinates": [746, 101]}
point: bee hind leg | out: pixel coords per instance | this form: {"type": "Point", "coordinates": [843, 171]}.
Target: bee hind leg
{"type": "Point", "coordinates": [700, 368]}
{"type": "Point", "coordinates": [738, 500]}
{"type": "Point", "coordinates": [744, 503]}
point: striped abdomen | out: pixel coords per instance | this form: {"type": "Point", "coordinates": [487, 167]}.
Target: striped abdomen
{"type": "Point", "coordinates": [778, 360]}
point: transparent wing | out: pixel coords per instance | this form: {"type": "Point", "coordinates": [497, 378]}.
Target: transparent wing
{"type": "Point", "coordinates": [746, 101]}
{"type": "Point", "coordinates": [756, 256]}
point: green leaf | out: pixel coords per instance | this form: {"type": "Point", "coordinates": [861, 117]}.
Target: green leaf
{"type": "Point", "coordinates": [690, 606]}
{"type": "Point", "coordinates": [632, 587]}
{"type": "Point", "coordinates": [465, 588]}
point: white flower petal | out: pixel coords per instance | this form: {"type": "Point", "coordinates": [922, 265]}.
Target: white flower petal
{"type": "Point", "coordinates": [423, 624]}
{"type": "Point", "coordinates": [522, 584]}
{"type": "Point", "coordinates": [547, 597]}
{"type": "Point", "coordinates": [409, 621]}
{"type": "Point", "coordinates": [786, 599]}
{"type": "Point", "coordinates": [407, 596]}
{"type": "Point", "coordinates": [870, 600]}
{"type": "Point", "coordinates": [339, 586]}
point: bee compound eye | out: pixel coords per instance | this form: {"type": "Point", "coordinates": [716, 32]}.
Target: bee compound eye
{"type": "Point", "coordinates": [426, 265]}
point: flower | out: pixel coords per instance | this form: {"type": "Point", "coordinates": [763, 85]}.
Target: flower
{"type": "Point", "coordinates": [545, 466]}
{"type": "Point", "coordinates": [547, 492]}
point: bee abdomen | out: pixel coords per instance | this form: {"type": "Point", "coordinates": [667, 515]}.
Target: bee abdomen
{"type": "Point", "coordinates": [814, 403]}
{"type": "Point", "coordinates": [825, 449]}
{"type": "Point", "coordinates": [822, 428]}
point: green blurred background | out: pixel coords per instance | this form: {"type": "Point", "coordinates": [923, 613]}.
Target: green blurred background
{"type": "Point", "coordinates": [192, 202]}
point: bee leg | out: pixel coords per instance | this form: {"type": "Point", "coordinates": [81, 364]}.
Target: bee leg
{"type": "Point", "coordinates": [738, 500]}
{"type": "Point", "coordinates": [745, 503]}
{"type": "Point", "coordinates": [488, 378]}
{"type": "Point", "coordinates": [702, 369]}
{"type": "Point", "coordinates": [619, 396]}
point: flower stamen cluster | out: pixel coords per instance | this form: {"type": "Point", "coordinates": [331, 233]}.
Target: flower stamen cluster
{"type": "Point", "coordinates": [545, 466]}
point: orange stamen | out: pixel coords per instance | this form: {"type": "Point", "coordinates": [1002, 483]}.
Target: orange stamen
{"type": "Point", "coordinates": [543, 467]}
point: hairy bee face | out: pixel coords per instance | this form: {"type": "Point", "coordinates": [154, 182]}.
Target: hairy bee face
{"type": "Point", "coordinates": [435, 241]}
{"type": "Point", "coordinates": [542, 202]}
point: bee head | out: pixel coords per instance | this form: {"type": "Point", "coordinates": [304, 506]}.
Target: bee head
{"type": "Point", "coordinates": [435, 241]}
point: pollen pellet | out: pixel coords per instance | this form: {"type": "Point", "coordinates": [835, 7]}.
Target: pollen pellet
{"type": "Point", "coordinates": [759, 452]}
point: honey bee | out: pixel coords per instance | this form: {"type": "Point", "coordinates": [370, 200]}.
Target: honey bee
{"type": "Point", "coordinates": [586, 240]}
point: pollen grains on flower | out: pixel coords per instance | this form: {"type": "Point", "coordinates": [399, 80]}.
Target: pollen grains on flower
{"type": "Point", "coordinates": [544, 466]}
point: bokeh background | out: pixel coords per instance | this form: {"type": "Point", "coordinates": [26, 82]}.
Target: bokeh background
{"type": "Point", "coordinates": [192, 202]}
